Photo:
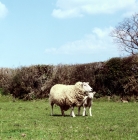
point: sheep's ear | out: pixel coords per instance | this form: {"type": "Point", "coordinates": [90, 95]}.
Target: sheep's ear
{"type": "Point", "coordinates": [94, 92]}
{"type": "Point", "coordinates": [85, 82]}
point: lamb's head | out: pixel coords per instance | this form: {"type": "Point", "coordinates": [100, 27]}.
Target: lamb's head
{"type": "Point", "coordinates": [83, 86]}
{"type": "Point", "coordinates": [91, 95]}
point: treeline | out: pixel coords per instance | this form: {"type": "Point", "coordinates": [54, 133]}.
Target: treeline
{"type": "Point", "coordinates": [115, 77]}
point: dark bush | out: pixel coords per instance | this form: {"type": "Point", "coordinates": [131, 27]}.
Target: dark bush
{"type": "Point", "coordinates": [29, 80]}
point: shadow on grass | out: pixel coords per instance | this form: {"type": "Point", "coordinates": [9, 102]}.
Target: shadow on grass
{"type": "Point", "coordinates": [59, 115]}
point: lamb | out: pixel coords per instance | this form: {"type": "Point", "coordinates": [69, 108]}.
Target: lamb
{"type": "Point", "coordinates": [68, 96]}
{"type": "Point", "coordinates": [87, 103]}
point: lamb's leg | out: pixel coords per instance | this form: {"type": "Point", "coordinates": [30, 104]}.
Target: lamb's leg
{"type": "Point", "coordinates": [90, 111]}
{"type": "Point", "coordinates": [52, 104]}
{"type": "Point", "coordinates": [72, 112]}
{"type": "Point", "coordinates": [84, 111]}
{"type": "Point", "coordinates": [79, 108]}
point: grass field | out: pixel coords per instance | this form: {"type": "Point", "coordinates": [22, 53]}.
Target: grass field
{"type": "Point", "coordinates": [31, 120]}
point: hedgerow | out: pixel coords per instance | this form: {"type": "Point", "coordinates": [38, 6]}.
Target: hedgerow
{"type": "Point", "coordinates": [115, 77]}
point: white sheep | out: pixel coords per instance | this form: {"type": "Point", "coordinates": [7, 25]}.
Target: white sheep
{"type": "Point", "coordinates": [124, 101]}
{"type": "Point", "coordinates": [68, 96]}
{"type": "Point", "coordinates": [87, 103]}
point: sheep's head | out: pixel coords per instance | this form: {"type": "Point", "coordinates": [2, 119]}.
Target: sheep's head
{"type": "Point", "coordinates": [84, 86]}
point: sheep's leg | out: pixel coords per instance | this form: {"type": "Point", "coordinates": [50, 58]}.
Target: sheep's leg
{"type": "Point", "coordinates": [90, 111]}
{"type": "Point", "coordinates": [62, 111]}
{"type": "Point", "coordinates": [52, 109]}
{"type": "Point", "coordinates": [72, 112]}
{"type": "Point", "coordinates": [79, 108]}
{"type": "Point", "coordinates": [84, 111]}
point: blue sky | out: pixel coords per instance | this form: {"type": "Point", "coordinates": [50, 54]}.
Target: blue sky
{"type": "Point", "coordinates": [60, 31]}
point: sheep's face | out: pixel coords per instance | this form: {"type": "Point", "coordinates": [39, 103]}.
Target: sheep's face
{"type": "Point", "coordinates": [91, 95]}
{"type": "Point", "coordinates": [84, 86]}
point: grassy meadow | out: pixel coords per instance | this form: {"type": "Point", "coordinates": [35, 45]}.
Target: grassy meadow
{"type": "Point", "coordinates": [31, 120]}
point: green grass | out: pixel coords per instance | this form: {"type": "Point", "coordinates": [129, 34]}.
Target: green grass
{"type": "Point", "coordinates": [31, 120]}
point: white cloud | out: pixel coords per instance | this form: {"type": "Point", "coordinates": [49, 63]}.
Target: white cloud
{"type": "Point", "coordinates": [97, 43]}
{"type": "Point", "coordinates": [78, 8]}
{"type": "Point", "coordinates": [131, 10]}
{"type": "Point", "coordinates": [67, 13]}
{"type": "Point", "coordinates": [3, 10]}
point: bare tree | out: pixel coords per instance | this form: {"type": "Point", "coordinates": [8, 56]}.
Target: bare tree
{"type": "Point", "coordinates": [126, 34]}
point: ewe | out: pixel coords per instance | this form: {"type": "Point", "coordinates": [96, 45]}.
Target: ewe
{"type": "Point", "coordinates": [87, 103]}
{"type": "Point", "coordinates": [68, 96]}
